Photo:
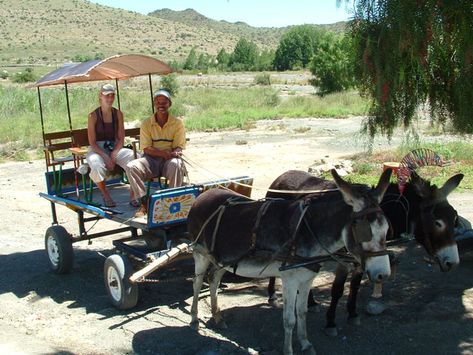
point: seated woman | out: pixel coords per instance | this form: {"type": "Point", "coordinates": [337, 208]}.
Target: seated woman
{"type": "Point", "coordinates": [106, 133]}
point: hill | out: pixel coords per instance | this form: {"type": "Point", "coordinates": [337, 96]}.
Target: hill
{"type": "Point", "coordinates": [270, 36]}
{"type": "Point", "coordinates": [57, 30]}
{"type": "Point", "coordinates": [50, 31]}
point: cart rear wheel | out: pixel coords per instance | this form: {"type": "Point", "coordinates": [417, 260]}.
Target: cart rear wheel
{"type": "Point", "coordinates": [122, 293]}
{"type": "Point", "coordinates": [58, 246]}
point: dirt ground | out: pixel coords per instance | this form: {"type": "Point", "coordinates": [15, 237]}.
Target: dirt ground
{"type": "Point", "coordinates": [428, 312]}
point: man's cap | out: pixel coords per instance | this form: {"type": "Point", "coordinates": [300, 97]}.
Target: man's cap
{"type": "Point", "coordinates": [162, 92]}
{"type": "Point", "coordinates": [107, 89]}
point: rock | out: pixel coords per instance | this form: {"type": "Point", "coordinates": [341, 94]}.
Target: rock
{"type": "Point", "coordinates": [375, 307]}
{"type": "Point", "coordinates": [324, 165]}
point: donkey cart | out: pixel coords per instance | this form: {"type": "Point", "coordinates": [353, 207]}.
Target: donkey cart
{"type": "Point", "coordinates": [154, 241]}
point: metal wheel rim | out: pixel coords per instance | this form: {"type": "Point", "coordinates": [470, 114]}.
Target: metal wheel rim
{"type": "Point", "coordinates": [114, 283]}
{"type": "Point", "coordinates": [53, 251]}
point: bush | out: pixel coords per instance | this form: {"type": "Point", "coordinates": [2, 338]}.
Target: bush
{"type": "Point", "coordinates": [262, 79]}
{"type": "Point", "coordinates": [24, 77]}
{"type": "Point", "coordinates": [4, 74]}
{"type": "Point", "coordinates": [169, 82]}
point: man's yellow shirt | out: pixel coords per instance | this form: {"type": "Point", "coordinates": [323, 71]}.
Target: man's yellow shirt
{"type": "Point", "coordinates": [172, 135]}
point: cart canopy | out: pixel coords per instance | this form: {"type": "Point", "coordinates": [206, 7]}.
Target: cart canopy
{"type": "Point", "coordinates": [113, 68]}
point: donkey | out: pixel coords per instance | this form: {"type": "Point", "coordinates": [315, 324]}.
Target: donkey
{"type": "Point", "coordinates": [258, 239]}
{"type": "Point", "coordinates": [423, 210]}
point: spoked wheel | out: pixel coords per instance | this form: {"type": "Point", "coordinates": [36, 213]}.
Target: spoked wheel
{"type": "Point", "coordinates": [58, 246]}
{"type": "Point", "coordinates": [122, 293]}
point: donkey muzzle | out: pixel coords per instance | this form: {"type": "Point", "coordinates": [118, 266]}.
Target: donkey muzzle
{"type": "Point", "coordinates": [448, 257]}
{"type": "Point", "coordinates": [378, 268]}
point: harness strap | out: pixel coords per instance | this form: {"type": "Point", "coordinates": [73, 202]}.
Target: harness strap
{"type": "Point", "coordinates": [261, 212]}
{"type": "Point", "coordinates": [206, 223]}
{"type": "Point", "coordinates": [217, 225]}
{"type": "Point", "coordinates": [333, 256]}
{"type": "Point", "coordinates": [303, 206]}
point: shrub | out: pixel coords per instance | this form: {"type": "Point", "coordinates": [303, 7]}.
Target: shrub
{"type": "Point", "coordinates": [24, 77]}
{"type": "Point", "coordinates": [169, 82]}
{"type": "Point", "coordinates": [4, 74]}
{"type": "Point", "coordinates": [262, 79]}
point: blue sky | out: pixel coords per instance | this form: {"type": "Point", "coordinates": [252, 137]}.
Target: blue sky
{"type": "Point", "coordinates": [261, 13]}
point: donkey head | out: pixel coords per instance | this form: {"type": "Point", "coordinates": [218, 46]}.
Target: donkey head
{"type": "Point", "coordinates": [435, 229]}
{"type": "Point", "coordinates": [365, 236]}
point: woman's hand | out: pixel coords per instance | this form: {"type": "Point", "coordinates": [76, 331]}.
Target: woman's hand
{"type": "Point", "coordinates": [109, 162]}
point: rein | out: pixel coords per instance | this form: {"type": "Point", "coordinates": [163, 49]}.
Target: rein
{"type": "Point", "coordinates": [192, 163]}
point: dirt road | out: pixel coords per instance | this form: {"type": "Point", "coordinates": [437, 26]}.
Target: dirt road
{"type": "Point", "coordinates": [42, 313]}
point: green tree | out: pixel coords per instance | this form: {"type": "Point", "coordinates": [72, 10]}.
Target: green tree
{"type": "Point", "coordinates": [411, 52]}
{"type": "Point", "coordinates": [191, 60]}
{"type": "Point", "coordinates": [223, 58]}
{"type": "Point", "coordinates": [332, 65]}
{"type": "Point", "coordinates": [244, 56]}
{"type": "Point", "coordinates": [296, 48]}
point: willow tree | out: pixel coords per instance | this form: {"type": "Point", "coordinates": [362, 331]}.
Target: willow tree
{"type": "Point", "coordinates": [411, 52]}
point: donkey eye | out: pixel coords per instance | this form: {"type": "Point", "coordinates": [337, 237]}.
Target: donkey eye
{"type": "Point", "coordinates": [439, 224]}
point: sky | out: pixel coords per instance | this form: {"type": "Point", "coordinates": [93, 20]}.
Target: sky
{"type": "Point", "coordinates": [259, 13]}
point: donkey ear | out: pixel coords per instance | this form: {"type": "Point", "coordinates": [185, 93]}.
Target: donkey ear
{"type": "Point", "coordinates": [350, 196]}
{"type": "Point", "coordinates": [450, 185]}
{"type": "Point", "coordinates": [421, 186]}
{"type": "Point", "coordinates": [383, 185]}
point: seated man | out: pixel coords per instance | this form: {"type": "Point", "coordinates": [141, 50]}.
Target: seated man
{"type": "Point", "coordinates": [162, 139]}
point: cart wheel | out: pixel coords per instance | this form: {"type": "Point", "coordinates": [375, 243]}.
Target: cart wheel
{"type": "Point", "coordinates": [58, 245]}
{"type": "Point", "coordinates": [122, 293]}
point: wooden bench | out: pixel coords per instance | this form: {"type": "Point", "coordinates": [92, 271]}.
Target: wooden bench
{"type": "Point", "coordinates": [71, 146]}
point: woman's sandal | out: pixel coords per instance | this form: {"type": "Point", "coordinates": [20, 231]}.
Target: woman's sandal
{"type": "Point", "coordinates": [135, 203]}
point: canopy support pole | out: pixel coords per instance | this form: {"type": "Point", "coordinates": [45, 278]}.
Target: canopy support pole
{"type": "Point", "coordinates": [42, 122]}
{"type": "Point", "coordinates": [68, 107]}
{"type": "Point", "coordinates": [118, 94]}
{"type": "Point", "coordinates": [151, 92]}
{"type": "Point", "coordinates": [41, 114]}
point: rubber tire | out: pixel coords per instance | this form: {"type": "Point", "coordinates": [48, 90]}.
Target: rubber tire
{"type": "Point", "coordinates": [128, 297]}
{"type": "Point", "coordinates": [64, 249]}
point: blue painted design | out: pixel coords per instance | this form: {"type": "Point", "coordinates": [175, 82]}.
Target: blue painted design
{"type": "Point", "coordinates": [175, 207]}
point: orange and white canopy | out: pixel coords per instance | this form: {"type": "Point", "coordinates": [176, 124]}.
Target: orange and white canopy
{"type": "Point", "coordinates": [113, 68]}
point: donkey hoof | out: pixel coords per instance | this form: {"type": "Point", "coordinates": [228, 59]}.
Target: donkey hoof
{"type": "Point", "coordinates": [354, 321]}
{"type": "Point", "coordinates": [331, 331]}
{"type": "Point", "coordinates": [375, 307]}
{"type": "Point", "coordinates": [274, 302]}
{"type": "Point", "coordinates": [309, 350]}
{"type": "Point", "coordinates": [194, 325]}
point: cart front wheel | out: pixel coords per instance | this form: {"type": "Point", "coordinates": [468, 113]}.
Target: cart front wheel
{"type": "Point", "coordinates": [122, 293]}
{"type": "Point", "coordinates": [58, 246]}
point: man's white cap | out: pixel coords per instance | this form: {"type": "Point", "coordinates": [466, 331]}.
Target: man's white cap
{"type": "Point", "coordinates": [162, 92]}
{"type": "Point", "coordinates": [107, 89]}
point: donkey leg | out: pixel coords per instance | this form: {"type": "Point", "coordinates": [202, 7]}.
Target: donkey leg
{"type": "Point", "coordinates": [355, 282]}
{"type": "Point", "coordinates": [215, 279]}
{"type": "Point", "coordinates": [301, 311]}
{"type": "Point", "coordinates": [272, 290]}
{"type": "Point", "coordinates": [289, 293]}
{"type": "Point", "coordinates": [201, 266]}
{"type": "Point", "coordinates": [338, 285]}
